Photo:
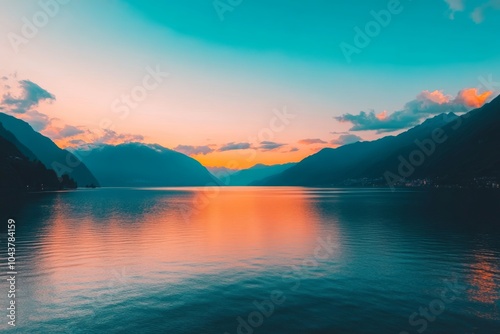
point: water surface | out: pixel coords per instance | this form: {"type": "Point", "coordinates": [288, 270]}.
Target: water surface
{"type": "Point", "coordinates": [256, 260]}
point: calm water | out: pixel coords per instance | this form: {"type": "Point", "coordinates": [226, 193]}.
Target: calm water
{"type": "Point", "coordinates": [256, 260]}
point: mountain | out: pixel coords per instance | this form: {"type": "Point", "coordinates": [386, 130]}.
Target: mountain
{"type": "Point", "coordinates": [9, 136]}
{"type": "Point", "coordinates": [447, 149]}
{"type": "Point", "coordinates": [221, 172]}
{"type": "Point", "coordinates": [471, 149]}
{"type": "Point", "coordinates": [247, 177]}
{"type": "Point", "coordinates": [44, 149]}
{"type": "Point", "coordinates": [140, 165]}
{"type": "Point", "coordinates": [19, 173]}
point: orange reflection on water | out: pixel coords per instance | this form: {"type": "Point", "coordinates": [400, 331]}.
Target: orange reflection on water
{"type": "Point", "coordinates": [256, 224]}
{"type": "Point", "coordinates": [245, 229]}
{"type": "Point", "coordinates": [483, 279]}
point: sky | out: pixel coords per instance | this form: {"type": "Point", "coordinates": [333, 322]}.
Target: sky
{"type": "Point", "coordinates": [234, 83]}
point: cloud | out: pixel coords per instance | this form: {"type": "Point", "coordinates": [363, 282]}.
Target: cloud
{"type": "Point", "coordinates": [194, 150]}
{"type": "Point", "coordinates": [110, 137]}
{"type": "Point", "coordinates": [27, 97]}
{"type": "Point", "coordinates": [30, 96]}
{"type": "Point", "coordinates": [96, 138]}
{"type": "Point", "coordinates": [70, 131]}
{"type": "Point", "coordinates": [311, 141]}
{"type": "Point", "coordinates": [23, 104]}
{"type": "Point", "coordinates": [269, 146]}
{"type": "Point", "coordinates": [37, 120]}
{"type": "Point", "coordinates": [425, 105]}
{"type": "Point", "coordinates": [471, 98]}
{"type": "Point", "coordinates": [56, 132]}
{"type": "Point", "coordinates": [346, 139]}
{"type": "Point", "coordinates": [234, 147]}
{"type": "Point", "coordinates": [455, 6]}
{"type": "Point", "coordinates": [77, 142]}
{"type": "Point", "coordinates": [477, 14]}
{"type": "Point", "coordinates": [293, 149]}
{"type": "Point", "coordinates": [263, 146]}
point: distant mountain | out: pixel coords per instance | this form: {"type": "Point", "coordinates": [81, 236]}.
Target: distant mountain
{"type": "Point", "coordinates": [140, 165]}
{"type": "Point", "coordinates": [44, 149]}
{"type": "Point", "coordinates": [447, 149]}
{"type": "Point", "coordinates": [247, 177]}
{"type": "Point", "coordinates": [20, 174]}
{"type": "Point", "coordinates": [219, 172]}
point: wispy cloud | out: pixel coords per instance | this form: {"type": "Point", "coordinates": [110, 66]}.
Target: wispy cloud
{"type": "Point", "coordinates": [23, 103]}
{"type": "Point", "coordinates": [269, 146]}
{"type": "Point", "coordinates": [194, 150]}
{"type": "Point", "coordinates": [92, 138]}
{"type": "Point", "coordinates": [37, 120]}
{"type": "Point", "coordinates": [66, 131]}
{"type": "Point", "coordinates": [70, 131]}
{"type": "Point", "coordinates": [455, 6]}
{"type": "Point", "coordinates": [234, 146]}
{"type": "Point", "coordinates": [346, 139]}
{"type": "Point", "coordinates": [113, 138]}
{"type": "Point", "coordinates": [426, 104]}
{"type": "Point", "coordinates": [311, 141]}
{"type": "Point", "coordinates": [29, 97]}
{"type": "Point", "coordinates": [478, 13]}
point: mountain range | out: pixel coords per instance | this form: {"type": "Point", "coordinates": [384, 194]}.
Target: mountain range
{"type": "Point", "coordinates": [20, 171]}
{"type": "Point", "coordinates": [143, 165]}
{"type": "Point", "coordinates": [447, 149]}
{"type": "Point", "coordinates": [36, 146]}
{"type": "Point", "coordinates": [254, 174]}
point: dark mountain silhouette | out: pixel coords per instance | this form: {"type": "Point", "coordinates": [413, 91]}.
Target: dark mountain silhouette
{"type": "Point", "coordinates": [470, 151]}
{"type": "Point", "coordinates": [9, 136]}
{"type": "Point", "coordinates": [447, 149]}
{"type": "Point", "coordinates": [20, 174]}
{"type": "Point", "coordinates": [251, 175]}
{"type": "Point", "coordinates": [61, 161]}
{"type": "Point", "coordinates": [140, 165]}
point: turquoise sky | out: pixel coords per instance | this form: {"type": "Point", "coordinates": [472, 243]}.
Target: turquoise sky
{"type": "Point", "coordinates": [231, 63]}
{"type": "Point", "coordinates": [422, 34]}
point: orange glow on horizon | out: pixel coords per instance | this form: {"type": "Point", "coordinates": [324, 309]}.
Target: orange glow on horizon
{"type": "Point", "coordinates": [249, 158]}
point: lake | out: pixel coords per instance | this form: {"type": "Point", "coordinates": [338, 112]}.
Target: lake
{"type": "Point", "coordinates": [255, 260]}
